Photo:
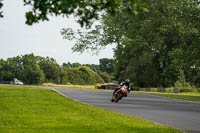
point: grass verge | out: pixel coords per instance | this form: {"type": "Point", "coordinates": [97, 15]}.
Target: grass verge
{"type": "Point", "coordinates": [189, 96]}
{"type": "Point", "coordinates": [50, 86]}
{"type": "Point", "coordinates": [36, 110]}
{"type": "Point", "coordinates": [80, 87]}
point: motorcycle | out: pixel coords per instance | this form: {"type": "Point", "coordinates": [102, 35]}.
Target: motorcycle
{"type": "Point", "coordinates": [119, 93]}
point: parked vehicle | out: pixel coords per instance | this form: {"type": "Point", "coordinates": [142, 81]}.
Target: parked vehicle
{"type": "Point", "coordinates": [118, 94]}
{"type": "Point", "coordinates": [18, 82]}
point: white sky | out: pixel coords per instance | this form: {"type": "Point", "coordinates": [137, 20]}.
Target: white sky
{"type": "Point", "coordinates": [43, 39]}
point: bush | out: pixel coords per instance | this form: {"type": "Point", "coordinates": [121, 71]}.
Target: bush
{"type": "Point", "coordinates": [83, 75]}
{"type": "Point", "coordinates": [182, 84]}
{"type": "Point", "coordinates": [186, 87]}
{"type": "Point", "coordinates": [105, 77]}
{"type": "Point", "coordinates": [185, 90]}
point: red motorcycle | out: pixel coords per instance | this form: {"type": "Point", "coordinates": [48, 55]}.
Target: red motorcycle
{"type": "Point", "coordinates": [119, 93]}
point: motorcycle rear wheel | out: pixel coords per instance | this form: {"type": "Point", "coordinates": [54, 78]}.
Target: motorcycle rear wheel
{"type": "Point", "coordinates": [119, 96]}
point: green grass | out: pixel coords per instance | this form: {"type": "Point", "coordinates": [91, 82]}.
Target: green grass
{"type": "Point", "coordinates": [75, 87]}
{"type": "Point", "coordinates": [33, 110]}
{"type": "Point", "coordinates": [79, 87]}
{"type": "Point", "coordinates": [189, 96]}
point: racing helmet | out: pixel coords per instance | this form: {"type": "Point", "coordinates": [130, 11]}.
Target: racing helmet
{"type": "Point", "coordinates": [127, 81]}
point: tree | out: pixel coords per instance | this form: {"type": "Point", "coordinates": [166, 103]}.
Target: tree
{"type": "Point", "coordinates": [92, 41]}
{"type": "Point", "coordinates": [50, 68]}
{"type": "Point", "coordinates": [1, 12]}
{"type": "Point", "coordinates": [71, 65]}
{"type": "Point", "coordinates": [163, 37]}
{"type": "Point", "coordinates": [31, 72]}
{"type": "Point", "coordinates": [5, 73]}
{"type": "Point", "coordinates": [66, 65]}
{"type": "Point", "coordinates": [15, 67]}
{"type": "Point", "coordinates": [86, 10]}
{"type": "Point", "coordinates": [74, 65]}
{"type": "Point", "coordinates": [106, 65]}
{"type": "Point", "coordinates": [63, 76]}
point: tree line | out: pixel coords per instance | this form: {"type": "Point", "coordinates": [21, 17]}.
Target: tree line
{"type": "Point", "coordinates": [156, 48]}
{"type": "Point", "coordinates": [33, 69]}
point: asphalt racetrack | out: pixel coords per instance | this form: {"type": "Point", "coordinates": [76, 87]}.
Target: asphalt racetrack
{"type": "Point", "coordinates": [166, 111]}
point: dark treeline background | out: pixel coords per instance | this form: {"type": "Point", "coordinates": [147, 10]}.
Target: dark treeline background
{"type": "Point", "coordinates": [33, 69]}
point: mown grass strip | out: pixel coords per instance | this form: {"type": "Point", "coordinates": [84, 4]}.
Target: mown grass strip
{"type": "Point", "coordinates": [183, 96]}
{"type": "Point", "coordinates": [80, 87]}
{"type": "Point", "coordinates": [76, 87]}
{"type": "Point", "coordinates": [34, 110]}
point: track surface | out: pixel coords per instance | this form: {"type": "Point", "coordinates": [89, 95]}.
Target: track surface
{"type": "Point", "coordinates": [166, 111]}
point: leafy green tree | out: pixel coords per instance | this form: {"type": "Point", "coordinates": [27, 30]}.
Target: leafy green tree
{"type": "Point", "coordinates": [162, 40]}
{"type": "Point", "coordinates": [5, 73]}
{"type": "Point", "coordinates": [135, 61]}
{"type": "Point", "coordinates": [63, 76]}
{"type": "Point", "coordinates": [2, 64]}
{"type": "Point", "coordinates": [50, 68]}
{"type": "Point", "coordinates": [89, 41]}
{"type": "Point", "coordinates": [74, 65]}
{"type": "Point", "coordinates": [86, 10]}
{"type": "Point", "coordinates": [15, 67]}
{"type": "Point", "coordinates": [1, 12]}
{"type": "Point", "coordinates": [106, 65]}
{"type": "Point", "coordinates": [71, 65]}
{"type": "Point", "coordinates": [197, 81]}
{"type": "Point", "coordinates": [31, 72]}
{"type": "Point", "coordinates": [66, 65]}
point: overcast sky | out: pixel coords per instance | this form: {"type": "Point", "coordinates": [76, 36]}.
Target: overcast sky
{"type": "Point", "coordinates": [42, 39]}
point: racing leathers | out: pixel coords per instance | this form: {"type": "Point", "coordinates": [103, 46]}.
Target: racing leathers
{"type": "Point", "coordinates": [125, 83]}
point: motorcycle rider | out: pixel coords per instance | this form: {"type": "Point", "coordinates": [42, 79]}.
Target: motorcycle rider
{"type": "Point", "coordinates": [126, 83]}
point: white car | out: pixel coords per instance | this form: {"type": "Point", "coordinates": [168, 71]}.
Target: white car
{"type": "Point", "coordinates": [18, 82]}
